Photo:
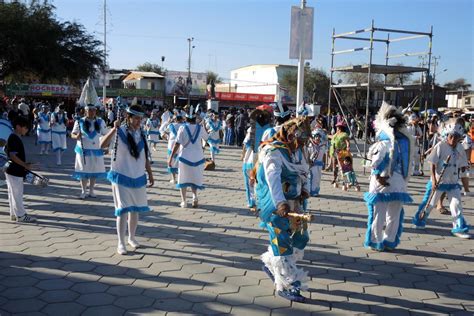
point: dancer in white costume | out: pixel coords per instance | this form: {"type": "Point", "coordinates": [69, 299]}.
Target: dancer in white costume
{"type": "Point", "coordinates": [127, 175]}
{"type": "Point", "coordinates": [190, 157]}
{"type": "Point", "coordinates": [58, 132]}
{"type": "Point", "coordinates": [170, 131]}
{"type": "Point", "coordinates": [282, 186]}
{"type": "Point", "coordinates": [445, 175]}
{"type": "Point", "coordinates": [44, 129]}
{"type": "Point", "coordinates": [259, 123]}
{"type": "Point", "coordinates": [89, 164]}
{"type": "Point", "coordinates": [214, 127]}
{"type": "Point", "coordinates": [317, 148]}
{"type": "Point", "coordinates": [152, 127]}
{"type": "Point", "coordinates": [390, 159]}
{"type": "Point", "coordinates": [417, 134]}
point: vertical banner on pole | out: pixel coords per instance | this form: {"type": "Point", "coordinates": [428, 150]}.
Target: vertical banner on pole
{"type": "Point", "coordinates": [301, 32]}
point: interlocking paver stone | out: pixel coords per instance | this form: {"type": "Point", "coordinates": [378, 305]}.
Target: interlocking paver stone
{"type": "Point", "coordinates": [64, 309]}
{"type": "Point", "coordinates": [206, 260]}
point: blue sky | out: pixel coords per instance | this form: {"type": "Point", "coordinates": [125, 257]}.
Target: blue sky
{"type": "Point", "coordinates": [234, 33]}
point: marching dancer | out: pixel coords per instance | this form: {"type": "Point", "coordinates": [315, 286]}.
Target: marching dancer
{"type": "Point", "coordinates": [390, 160]}
{"type": "Point", "coordinates": [259, 123]}
{"type": "Point", "coordinates": [58, 132]}
{"type": "Point", "coordinates": [89, 164]}
{"type": "Point", "coordinates": [317, 149]}
{"type": "Point", "coordinates": [448, 161]}
{"type": "Point", "coordinates": [171, 131]}
{"type": "Point", "coordinates": [214, 127]}
{"type": "Point", "coordinates": [417, 133]}
{"type": "Point", "coordinates": [152, 127]}
{"type": "Point", "coordinates": [127, 175]}
{"type": "Point", "coordinates": [282, 187]}
{"type": "Point", "coordinates": [190, 158]}
{"type": "Point", "coordinates": [43, 129]}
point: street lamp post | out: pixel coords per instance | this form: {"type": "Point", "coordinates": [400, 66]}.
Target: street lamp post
{"type": "Point", "coordinates": [189, 81]}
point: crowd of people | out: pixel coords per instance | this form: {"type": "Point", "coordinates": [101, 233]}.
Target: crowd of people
{"type": "Point", "coordinates": [284, 154]}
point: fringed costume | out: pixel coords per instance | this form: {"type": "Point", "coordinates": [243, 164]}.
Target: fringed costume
{"type": "Point", "coordinates": [391, 158]}
{"type": "Point", "coordinates": [282, 186]}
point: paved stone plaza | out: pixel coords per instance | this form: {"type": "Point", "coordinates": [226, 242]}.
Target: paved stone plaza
{"type": "Point", "coordinates": [206, 260]}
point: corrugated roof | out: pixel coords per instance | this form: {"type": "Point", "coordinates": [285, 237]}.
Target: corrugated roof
{"type": "Point", "coordinates": [142, 74]}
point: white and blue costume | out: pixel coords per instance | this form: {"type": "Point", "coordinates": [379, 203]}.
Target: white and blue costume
{"type": "Point", "coordinates": [270, 132]}
{"type": "Point", "coordinates": [449, 183]}
{"type": "Point", "coordinates": [173, 129]}
{"type": "Point", "coordinates": [44, 129]}
{"type": "Point", "coordinates": [282, 178]}
{"type": "Point", "coordinates": [153, 130]}
{"type": "Point", "coordinates": [191, 156]}
{"type": "Point", "coordinates": [251, 143]}
{"type": "Point", "coordinates": [391, 158]}
{"type": "Point", "coordinates": [127, 174]}
{"type": "Point", "coordinates": [214, 139]}
{"type": "Point", "coordinates": [316, 157]}
{"type": "Point", "coordinates": [88, 148]}
{"type": "Point", "coordinates": [58, 131]}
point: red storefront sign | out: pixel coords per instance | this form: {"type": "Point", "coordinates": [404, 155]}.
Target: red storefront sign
{"type": "Point", "coordinates": [250, 97]}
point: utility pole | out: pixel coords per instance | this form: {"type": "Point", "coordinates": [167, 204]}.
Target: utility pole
{"type": "Point", "coordinates": [300, 83]}
{"type": "Point", "coordinates": [435, 63]}
{"type": "Point", "coordinates": [189, 81]}
{"type": "Point", "coordinates": [104, 88]}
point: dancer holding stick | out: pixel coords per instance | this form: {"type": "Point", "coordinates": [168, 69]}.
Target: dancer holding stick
{"type": "Point", "coordinates": [447, 161]}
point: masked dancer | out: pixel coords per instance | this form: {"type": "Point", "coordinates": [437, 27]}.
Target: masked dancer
{"type": "Point", "coordinates": [282, 187]}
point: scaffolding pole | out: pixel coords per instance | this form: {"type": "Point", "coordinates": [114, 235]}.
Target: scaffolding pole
{"type": "Point", "coordinates": [369, 73]}
{"type": "Point", "coordinates": [331, 75]}
{"type": "Point", "coordinates": [425, 115]}
{"type": "Point", "coordinates": [372, 69]}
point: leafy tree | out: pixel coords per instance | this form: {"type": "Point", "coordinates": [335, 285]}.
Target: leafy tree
{"type": "Point", "coordinates": [458, 84]}
{"type": "Point", "coordinates": [212, 76]}
{"type": "Point", "coordinates": [359, 77]}
{"type": "Point", "coordinates": [316, 84]}
{"type": "Point", "coordinates": [399, 79]}
{"type": "Point", "coordinates": [36, 46]}
{"type": "Point", "coordinates": [151, 68]}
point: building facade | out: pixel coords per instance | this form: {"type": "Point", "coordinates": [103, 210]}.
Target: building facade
{"type": "Point", "coordinates": [261, 79]}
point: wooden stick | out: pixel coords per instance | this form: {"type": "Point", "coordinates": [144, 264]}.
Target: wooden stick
{"type": "Point", "coordinates": [435, 188]}
{"type": "Point", "coordinates": [303, 216]}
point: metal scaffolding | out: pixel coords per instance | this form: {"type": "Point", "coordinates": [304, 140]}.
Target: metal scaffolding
{"type": "Point", "coordinates": [370, 68]}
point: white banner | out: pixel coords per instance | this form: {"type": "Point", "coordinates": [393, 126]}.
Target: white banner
{"type": "Point", "coordinates": [301, 32]}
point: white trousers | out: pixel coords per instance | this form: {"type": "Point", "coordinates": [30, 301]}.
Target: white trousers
{"type": "Point", "coordinates": [455, 205]}
{"type": "Point", "coordinates": [386, 214]}
{"type": "Point", "coordinates": [15, 195]}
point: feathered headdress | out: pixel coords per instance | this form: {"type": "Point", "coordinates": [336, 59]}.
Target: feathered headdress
{"type": "Point", "coordinates": [451, 127]}
{"type": "Point", "coordinates": [389, 119]}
